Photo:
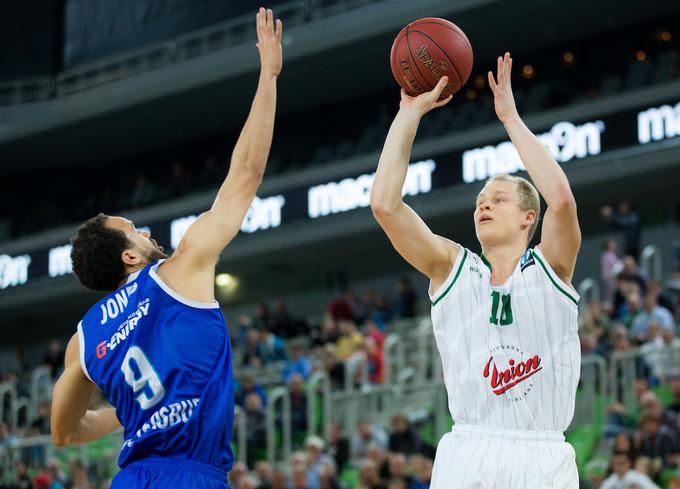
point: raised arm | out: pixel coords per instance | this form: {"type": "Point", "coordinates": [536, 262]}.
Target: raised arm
{"type": "Point", "coordinates": [560, 233]}
{"type": "Point", "coordinates": [430, 254]}
{"type": "Point", "coordinates": [191, 267]}
{"type": "Point", "coordinates": [71, 421]}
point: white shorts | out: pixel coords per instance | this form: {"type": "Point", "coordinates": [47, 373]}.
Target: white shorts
{"type": "Point", "coordinates": [481, 457]}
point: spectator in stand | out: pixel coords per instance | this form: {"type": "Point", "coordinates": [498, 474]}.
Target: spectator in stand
{"type": "Point", "coordinates": [252, 350]}
{"type": "Point", "coordinates": [595, 322]}
{"type": "Point", "coordinates": [622, 475]}
{"type": "Point", "coordinates": [383, 310]}
{"type": "Point", "coordinates": [22, 480]}
{"type": "Point", "coordinates": [57, 474]}
{"type": "Point", "coordinates": [327, 332]}
{"type": "Point", "coordinates": [237, 472]}
{"type": "Point", "coordinates": [264, 474]}
{"type": "Point", "coordinates": [624, 443]}
{"type": "Point", "coordinates": [368, 305]}
{"type": "Point", "coordinates": [42, 421]}
{"type": "Point", "coordinates": [298, 404]}
{"type": "Point", "coordinates": [656, 441]}
{"type": "Point", "coordinates": [403, 438]}
{"type": "Point", "coordinates": [338, 446]}
{"type": "Point", "coordinates": [662, 298]}
{"type": "Point", "coordinates": [272, 348]}
{"type": "Point", "coordinates": [374, 360]}
{"type": "Point", "coordinates": [316, 460]}
{"type": "Point", "coordinates": [54, 358]}
{"type": "Point", "coordinates": [379, 456]}
{"type": "Point", "coordinates": [328, 477]}
{"type": "Point", "coordinates": [366, 434]}
{"type": "Point", "coordinates": [650, 313]}
{"type": "Point", "coordinates": [248, 482]}
{"type": "Point", "coordinates": [298, 364]}
{"type": "Point", "coordinates": [350, 339]}
{"type": "Point", "coordinates": [608, 261]}
{"type": "Point", "coordinates": [405, 305]}
{"type": "Point", "coordinates": [397, 484]}
{"type": "Point", "coordinates": [283, 324]}
{"type": "Point", "coordinates": [256, 428]}
{"type": "Point", "coordinates": [79, 477]}
{"type": "Point", "coordinates": [264, 319]}
{"type": "Point", "coordinates": [399, 468]}
{"type": "Point", "coordinates": [279, 480]}
{"type": "Point", "coordinates": [369, 477]}
{"type": "Point", "coordinates": [334, 369]}
{"type": "Point", "coordinates": [422, 472]}
{"type": "Point", "coordinates": [661, 360]}
{"type": "Point", "coordinates": [249, 386]}
{"type": "Point", "coordinates": [343, 307]}
{"type": "Point", "coordinates": [674, 408]}
{"type": "Point", "coordinates": [628, 221]}
{"type": "Point", "coordinates": [299, 478]}
{"type": "Point", "coordinates": [373, 330]}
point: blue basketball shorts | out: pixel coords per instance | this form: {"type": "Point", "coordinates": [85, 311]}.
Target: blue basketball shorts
{"type": "Point", "coordinates": [170, 473]}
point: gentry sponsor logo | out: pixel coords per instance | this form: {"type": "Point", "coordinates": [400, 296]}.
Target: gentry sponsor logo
{"type": "Point", "coordinates": [124, 329]}
{"type": "Point", "coordinates": [503, 380]}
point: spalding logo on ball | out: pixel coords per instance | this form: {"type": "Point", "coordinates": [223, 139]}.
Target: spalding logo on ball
{"type": "Point", "coordinates": [426, 50]}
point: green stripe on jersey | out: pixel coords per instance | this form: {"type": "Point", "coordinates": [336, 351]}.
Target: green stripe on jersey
{"type": "Point", "coordinates": [557, 286]}
{"type": "Point", "coordinates": [460, 268]}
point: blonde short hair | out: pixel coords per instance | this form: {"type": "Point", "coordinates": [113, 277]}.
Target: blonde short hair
{"type": "Point", "coordinates": [529, 199]}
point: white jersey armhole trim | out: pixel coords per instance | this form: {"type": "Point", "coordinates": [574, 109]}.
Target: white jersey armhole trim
{"type": "Point", "coordinates": [456, 269]}
{"type": "Point", "coordinates": [179, 298]}
{"type": "Point", "coordinates": [565, 289]}
{"type": "Point", "coordinates": [81, 347]}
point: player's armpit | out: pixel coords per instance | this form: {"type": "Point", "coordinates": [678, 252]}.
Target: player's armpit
{"type": "Point", "coordinates": [427, 252]}
{"type": "Point", "coordinates": [561, 238]}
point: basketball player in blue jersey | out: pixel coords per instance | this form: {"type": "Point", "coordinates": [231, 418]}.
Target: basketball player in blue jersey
{"type": "Point", "coordinates": [157, 345]}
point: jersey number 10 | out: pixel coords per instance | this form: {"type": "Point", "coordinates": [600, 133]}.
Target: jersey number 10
{"type": "Point", "coordinates": [505, 309]}
{"type": "Point", "coordinates": [147, 386]}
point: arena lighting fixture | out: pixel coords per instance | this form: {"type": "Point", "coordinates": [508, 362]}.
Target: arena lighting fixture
{"type": "Point", "coordinates": [225, 280]}
{"type": "Point", "coordinates": [664, 36]}
{"type": "Point", "coordinates": [528, 71]}
{"type": "Point", "coordinates": [568, 58]}
{"type": "Point", "coordinates": [480, 81]}
{"type": "Point", "coordinates": [470, 94]}
{"type": "Point", "coordinates": [640, 55]}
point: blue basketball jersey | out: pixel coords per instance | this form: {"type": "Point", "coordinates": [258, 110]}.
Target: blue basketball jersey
{"type": "Point", "coordinates": [164, 363]}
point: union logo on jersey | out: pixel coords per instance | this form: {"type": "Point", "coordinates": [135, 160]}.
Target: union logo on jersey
{"type": "Point", "coordinates": [502, 380]}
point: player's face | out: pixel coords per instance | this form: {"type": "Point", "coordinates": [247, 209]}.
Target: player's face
{"type": "Point", "coordinates": [141, 243]}
{"type": "Point", "coordinates": [498, 217]}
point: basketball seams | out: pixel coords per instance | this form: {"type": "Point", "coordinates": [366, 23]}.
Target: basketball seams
{"type": "Point", "coordinates": [413, 59]}
{"type": "Point", "coordinates": [453, 65]}
{"type": "Point", "coordinates": [457, 30]}
{"type": "Point", "coordinates": [394, 50]}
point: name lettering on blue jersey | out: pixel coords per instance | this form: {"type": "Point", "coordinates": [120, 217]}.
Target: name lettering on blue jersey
{"type": "Point", "coordinates": [117, 304]}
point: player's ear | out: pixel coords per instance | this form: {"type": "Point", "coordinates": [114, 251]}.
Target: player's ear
{"type": "Point", "coordinates": [131, 257]}
{"type": "Point", "coordinates": [529, 217]}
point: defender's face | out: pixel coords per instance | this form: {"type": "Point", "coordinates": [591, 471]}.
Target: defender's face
{"type": "Point", "coordinates": [498, 217]}
{"type": "Point", "coordinates": [141, 243]}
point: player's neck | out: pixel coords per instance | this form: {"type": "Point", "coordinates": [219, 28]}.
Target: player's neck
{"type": "Point", "coordinates": [130, 271]}
{"type": "Point", "coordinates": [502, 259]}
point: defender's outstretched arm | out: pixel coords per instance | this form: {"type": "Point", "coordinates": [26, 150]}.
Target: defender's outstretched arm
{"type": "Point", "coordinates": [213, 230]}
{"type": "Point", "coordinates": [430, 254]}
{"type": "Point", "coordinates": [71, 422]}
{"type": "Point", "coordinates": [560, 233]}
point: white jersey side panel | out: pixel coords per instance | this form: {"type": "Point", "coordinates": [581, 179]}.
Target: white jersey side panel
{"type": "Point", "coordinates": [511, 355]}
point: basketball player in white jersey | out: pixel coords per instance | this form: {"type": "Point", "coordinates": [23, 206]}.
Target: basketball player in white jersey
{"type": "Point", "coordinates": [504, 320]}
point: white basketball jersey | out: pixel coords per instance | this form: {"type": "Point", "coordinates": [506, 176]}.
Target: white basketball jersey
{"type": "Point", "coordinates": [510, 353]}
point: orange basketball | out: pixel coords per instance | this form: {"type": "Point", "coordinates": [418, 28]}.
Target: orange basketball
{"type": "Point", "coordinates": [426, 50]}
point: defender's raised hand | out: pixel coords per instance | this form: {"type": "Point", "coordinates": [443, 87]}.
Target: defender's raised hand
{"type": "Point", "coordinates": [427, 101]}
{"type": "Point", "coordinates": [504, 101]}
{"type": "Point", "coordinates": [269, 42]}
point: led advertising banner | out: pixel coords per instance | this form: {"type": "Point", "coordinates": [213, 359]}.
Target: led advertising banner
{"type": "Point", "coordinates": [567, 141]}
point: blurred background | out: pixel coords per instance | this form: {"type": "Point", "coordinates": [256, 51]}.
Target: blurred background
{"type": "Point", "coordinates": [133, 107]}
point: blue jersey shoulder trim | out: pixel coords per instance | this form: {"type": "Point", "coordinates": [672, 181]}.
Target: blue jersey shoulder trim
{"type": "Point", "coordinates": [179, 298]}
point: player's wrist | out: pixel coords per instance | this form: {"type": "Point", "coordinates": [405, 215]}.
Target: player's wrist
{"type": "Point", "coordinates": [511, 118]}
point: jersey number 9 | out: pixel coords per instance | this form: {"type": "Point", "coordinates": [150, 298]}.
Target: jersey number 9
{"type": "Point", "coordinates": [147, 387]}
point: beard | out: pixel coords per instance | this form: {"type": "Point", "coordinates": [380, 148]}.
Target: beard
{"type": "Point", "coordinates": [155, 255]}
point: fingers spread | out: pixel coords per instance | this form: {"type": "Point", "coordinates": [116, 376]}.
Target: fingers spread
{"type": "Point", "coordinates": [492, 82]}
{"type": "Point", "coordinates": [441, 103]}
{"type": "Point", "coordinates": [279, 30]}
{"type": "Point", "coordinates": [260, 20]}
{"type": "Point", "coordinates": [270, 21]}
